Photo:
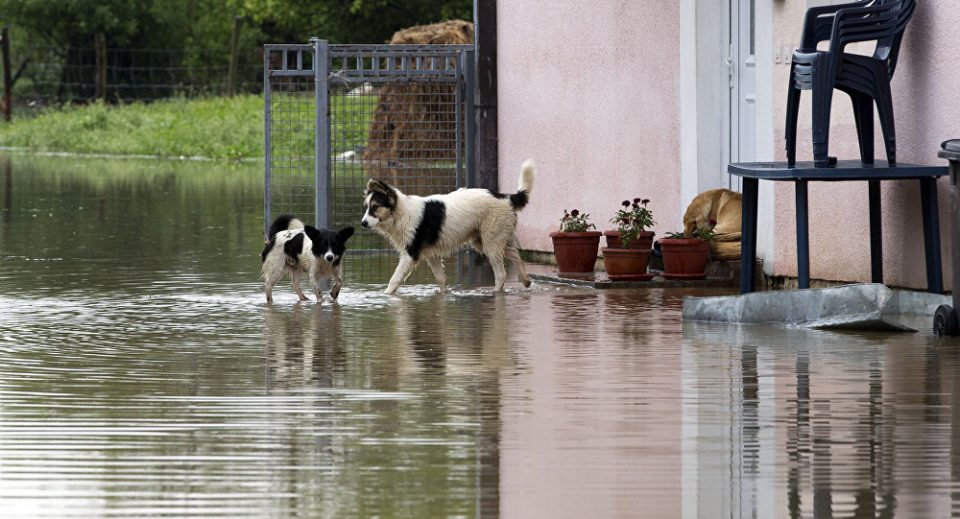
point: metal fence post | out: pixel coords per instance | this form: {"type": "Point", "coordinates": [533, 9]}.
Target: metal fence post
{"type": "Point", "coordinates": [485, 36]}
{"type": "Point", "coordinates": [468, 63]}
{"type": "Point", "coordinates": [266, 146]}
{"type": "Point", "coordinates": [321, 67]}
{"type": "Point", "coordinates": [458, 127]}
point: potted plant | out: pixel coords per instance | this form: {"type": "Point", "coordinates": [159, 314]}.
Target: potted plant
{"type": "Point", "coordinates": [575, 245]}
{"type": "Point", "coordinates": [686, 257]}
{"type": "Point", "coordinates": [627, 253]}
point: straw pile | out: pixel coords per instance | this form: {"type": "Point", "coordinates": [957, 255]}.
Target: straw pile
{"type": "Point", "coordinates": [413, 132]}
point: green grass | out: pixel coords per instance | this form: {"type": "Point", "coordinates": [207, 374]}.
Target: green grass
{"type": "Point", "coordinates": [219, 128]}
{"type": "Point", "coordinates": [227, 128]}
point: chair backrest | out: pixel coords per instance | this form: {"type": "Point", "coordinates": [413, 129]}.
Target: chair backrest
{"type": "Point", "coordinates": [889, 48]}
{"type": "Point", "coordinates": [883, 21]}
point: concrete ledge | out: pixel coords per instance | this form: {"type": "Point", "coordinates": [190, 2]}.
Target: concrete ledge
{"type": "Point", "coordinates": [867, 306]}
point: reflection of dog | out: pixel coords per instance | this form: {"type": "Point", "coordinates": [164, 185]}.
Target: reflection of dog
{"type": "Point", "coordinates": [719, 209]}
{"type": "Point", "coordinates": [432, 227]}
{"type": "Point", "coordinates": [298, 248]}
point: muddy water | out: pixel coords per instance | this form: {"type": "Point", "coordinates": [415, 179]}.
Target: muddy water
{"type": "Point", "coordinates": [142, 375]}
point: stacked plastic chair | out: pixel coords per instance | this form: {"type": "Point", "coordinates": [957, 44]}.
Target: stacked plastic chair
{"type": "Point", "coordinates": [866, 79]}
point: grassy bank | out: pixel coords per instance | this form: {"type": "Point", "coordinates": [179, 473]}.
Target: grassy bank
{"type": "Point", "coordinates": [217, 127]}
{"type": "Point", "coordinates": [228, 128]}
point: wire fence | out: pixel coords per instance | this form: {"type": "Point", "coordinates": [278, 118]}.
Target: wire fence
{"type": "Point", "coordinates": [394, 112]}
{"type": "Point", "coordinates": [51, 75]}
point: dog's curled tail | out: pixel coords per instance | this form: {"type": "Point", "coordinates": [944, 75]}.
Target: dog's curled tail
{"type": "Point", "coordinates": [281, 223]}
{"type": "Point", "coordinates": [524, 185]}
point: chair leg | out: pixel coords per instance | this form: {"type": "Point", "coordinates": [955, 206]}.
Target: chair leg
{"type": "Point", "coordinates": [803, 236]}
{"type": "Point", "coordinates": [931, 234]}
{"type": "Point", "coordinates": [876, 234]}
{"type": "Point", "coordinates": [885, 110]}
{"type": "Point", "coordinates": [790, 134]}
{"type": "Point", "coordinates": [863, 115]}
{"type": "Point", "coordinates": [822, 101]}
{"type": "Point", "coordinates": [748, 236]}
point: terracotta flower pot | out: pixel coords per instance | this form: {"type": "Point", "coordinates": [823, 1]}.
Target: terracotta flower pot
{"type": "Point", "coordinates": [576, 252]}
{"type": "Point", "coordinates": [685, 258]}
{"type": "Point", "coordinates": [644, 241]}
{"type": "Point", "coordinates": [626, 264]}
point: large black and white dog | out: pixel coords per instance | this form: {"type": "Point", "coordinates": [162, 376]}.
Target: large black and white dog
{"type": "Point", "coordinates": [429, 228]}
{"type": "Point", "coordinates": [297, 248]}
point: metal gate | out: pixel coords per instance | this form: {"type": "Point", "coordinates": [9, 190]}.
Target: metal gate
{"type": "Point", "coordinates": [336, 115]}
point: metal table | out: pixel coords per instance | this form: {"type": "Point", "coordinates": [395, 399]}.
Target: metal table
{"type": "Point", "coordinates": [805, 172]}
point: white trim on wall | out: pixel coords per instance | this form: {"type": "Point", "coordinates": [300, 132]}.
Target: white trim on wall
{"type": "Point", "coordinates": [767, 122]}
{"type": "Point", "coordinates": [702, 87]}
{"type": "Point", "coordinates": [688, 102]}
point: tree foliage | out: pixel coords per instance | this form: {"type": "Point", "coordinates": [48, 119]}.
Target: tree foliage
{"type": "Point", "coordinates": [64, 22]}
{"type": "Point", "coordinates": [348, 21]}
{"type": "Point", "coordinates": [208, 23]}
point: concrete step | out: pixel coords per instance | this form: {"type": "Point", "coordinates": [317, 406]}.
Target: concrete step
{"type": "Point", "coordinates": [866, 306]}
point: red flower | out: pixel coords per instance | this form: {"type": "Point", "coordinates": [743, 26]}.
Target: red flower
{"type": "Point", "coordinates": [574, 213]}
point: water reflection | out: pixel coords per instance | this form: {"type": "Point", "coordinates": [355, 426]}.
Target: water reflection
{"type": "Point", "coordinates": [141, 374]}
{"type": "Point", "coordinates": [821, 424]}
{"type": "Point", "coordinates": [7, 188]}
{"type": "Point", "coordinates": [414, 385]}
{"type": "Point", "coordinates": [304, 346]}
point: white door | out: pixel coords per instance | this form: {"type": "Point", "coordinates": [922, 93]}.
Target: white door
{"type": "Point", "coordinates": [741, 112]}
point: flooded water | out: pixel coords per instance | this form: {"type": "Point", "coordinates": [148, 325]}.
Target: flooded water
{"type": "Point", "coordinates": [141, 374]}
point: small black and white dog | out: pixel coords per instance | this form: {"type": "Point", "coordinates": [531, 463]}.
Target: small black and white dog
{"type": "Point", "coordinates": [429, 228]}
{"type": "Point", "coordinates": [297, 248]}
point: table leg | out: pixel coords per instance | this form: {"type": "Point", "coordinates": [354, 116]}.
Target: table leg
{"type": "Point", "coordinates": [876, 233]}
{"type": "Point", "coordinates": [931, 234]}
{"type": "Point", "coordinates": [803, 236]}
{"type": "Point", "coordinates": [748, 236]}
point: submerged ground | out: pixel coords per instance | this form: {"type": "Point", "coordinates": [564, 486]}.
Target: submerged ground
{"type": "Point", "coordinates": [142, 374]}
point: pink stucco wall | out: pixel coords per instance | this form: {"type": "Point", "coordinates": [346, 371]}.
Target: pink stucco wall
{"type": "Point", "coordinates": [927, 112]}
{"type": "Point", "coordinates": [590, 91]}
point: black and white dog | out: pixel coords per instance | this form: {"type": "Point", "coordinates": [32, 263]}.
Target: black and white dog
{"type": "Point", "coordinates": [297, 248]}
{"type": "Point", "coordinates": [429, 228]}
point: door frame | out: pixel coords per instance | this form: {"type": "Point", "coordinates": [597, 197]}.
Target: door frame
{"type": "Point", "coordinates": [704, 85]}
{"type": "Point", "coordinates": [741, 68]}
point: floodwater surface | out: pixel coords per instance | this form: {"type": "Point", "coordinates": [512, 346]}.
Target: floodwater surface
{"type": "Point", "coordinates": [142, 374]}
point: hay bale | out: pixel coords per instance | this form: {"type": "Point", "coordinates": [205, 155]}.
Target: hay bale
{"type": "Point", "coordinates": [413, 132]}
{"type": "Point", "coordinates": [450, 32]}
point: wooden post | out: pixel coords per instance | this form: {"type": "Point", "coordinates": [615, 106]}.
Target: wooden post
{"type": "Point", "coordinates": [8, 189]}
{"type": "Point", "coordinates": [7, 81]}
{"type": "Point", "coordinates": [100, 53]}
{"type": "Point", "coordinates": [485, 31]}
{"type": "Point", "coordinates": [234, 56]}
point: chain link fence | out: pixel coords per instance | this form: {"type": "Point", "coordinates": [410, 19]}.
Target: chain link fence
{"type": "Point", "coordinates": [51, 75]}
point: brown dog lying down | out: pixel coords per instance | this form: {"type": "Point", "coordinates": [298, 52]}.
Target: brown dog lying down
{"type": "Point", "coordinates": [719, 209]}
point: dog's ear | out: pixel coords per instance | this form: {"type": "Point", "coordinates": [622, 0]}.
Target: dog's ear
{"type": "Point", "coordinates": [379, 186]}
{"type": "Point", "coordinates": [344, 234]}
{"type": "Point", "coordinates": [311, 232]}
